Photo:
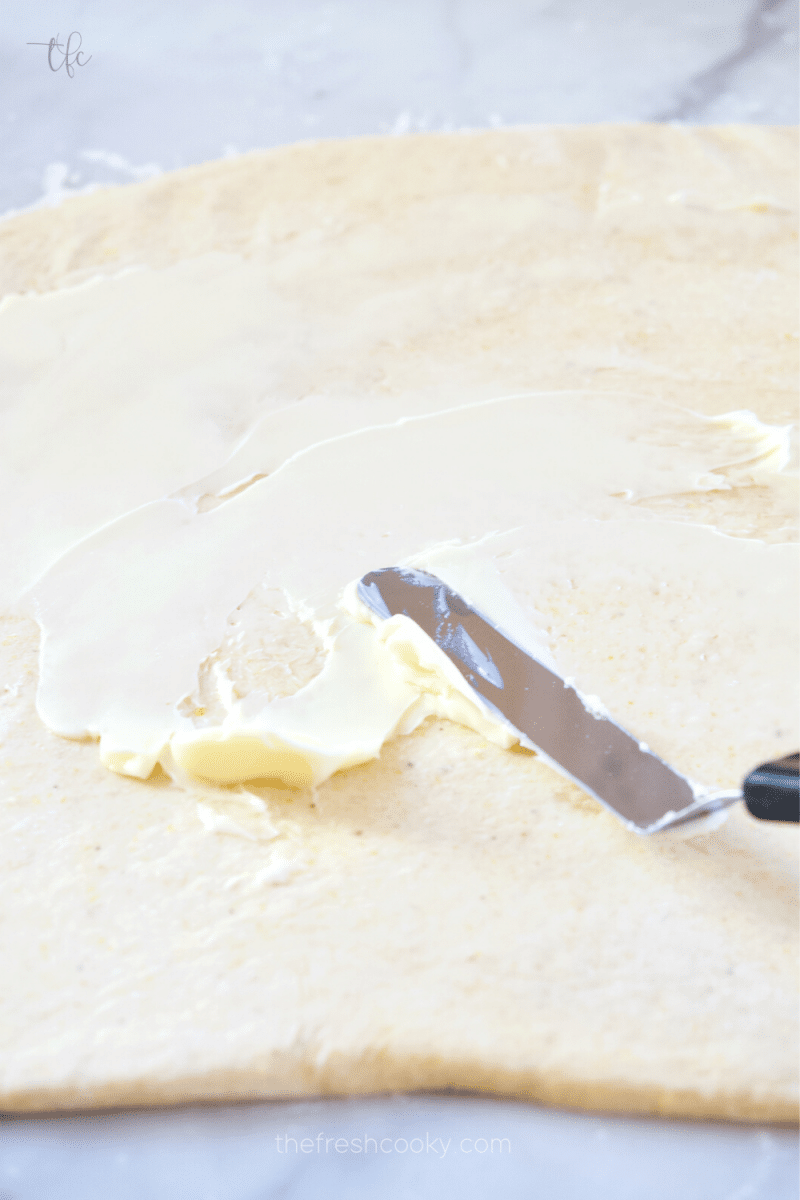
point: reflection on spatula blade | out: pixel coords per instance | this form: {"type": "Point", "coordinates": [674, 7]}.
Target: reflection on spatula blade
{"type": "Point", "coordinates": [586, 745]}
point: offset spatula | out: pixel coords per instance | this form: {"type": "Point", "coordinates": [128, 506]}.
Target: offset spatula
{"type": "Point", "coordinates": [588, 746]}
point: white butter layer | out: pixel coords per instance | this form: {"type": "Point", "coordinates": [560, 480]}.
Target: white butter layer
{"type": "Point", "coordinates": [495, 497]}
{"type": "Point", "coordinates": [123, 389]}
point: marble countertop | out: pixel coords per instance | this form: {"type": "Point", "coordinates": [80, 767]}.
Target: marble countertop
{"type": "Point", "coordinates": [161, 86]}
{"type": "Point", "coordinates": [390, 1148]}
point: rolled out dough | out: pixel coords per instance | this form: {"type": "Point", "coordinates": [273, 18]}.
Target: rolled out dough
{"type": "Point", "coordinates": [452, 914]}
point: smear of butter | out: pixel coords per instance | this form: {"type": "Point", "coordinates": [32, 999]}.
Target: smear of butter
{"type": "Point", "coordinates": [216, 822]}
{"type": "Point", "coordinates": [761, 447]}
{"type": "Point", "coordinates": [130, 613]}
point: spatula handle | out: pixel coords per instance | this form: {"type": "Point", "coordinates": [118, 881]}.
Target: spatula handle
{"type": "Point", "coordinates": [772, 791]}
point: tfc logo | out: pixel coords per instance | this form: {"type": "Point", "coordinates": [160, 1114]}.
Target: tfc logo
{"type": "Point", "coordinates": [71, 57]}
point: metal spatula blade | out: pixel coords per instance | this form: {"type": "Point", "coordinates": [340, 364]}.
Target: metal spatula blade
{"type": "Point", "coordinates": [581, 742]}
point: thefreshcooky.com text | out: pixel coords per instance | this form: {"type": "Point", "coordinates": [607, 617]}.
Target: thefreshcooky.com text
{"type": "Point", "coordinates": [322, 1144]}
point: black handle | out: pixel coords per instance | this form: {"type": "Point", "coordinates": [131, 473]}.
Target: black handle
{"type": "Point", "coordinates": [772, 791]}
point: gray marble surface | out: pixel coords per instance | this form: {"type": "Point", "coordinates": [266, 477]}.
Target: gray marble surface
{"type": "Point", "coordinates": [164, 85]}
{"type": "Point", "coordinates": [390, 1148]}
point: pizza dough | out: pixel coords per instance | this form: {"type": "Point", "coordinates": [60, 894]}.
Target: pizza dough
{"type": "Point", "coordinates": [450, 913]}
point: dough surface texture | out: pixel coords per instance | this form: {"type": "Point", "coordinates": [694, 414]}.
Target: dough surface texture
{"type": "Point", "coordinates": [558, 368]}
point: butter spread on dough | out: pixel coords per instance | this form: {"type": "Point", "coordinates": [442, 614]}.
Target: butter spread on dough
{"type": "Point", "coordinates": [450, 914]}
{"type": "Point", "coordinates": [130, 613]}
